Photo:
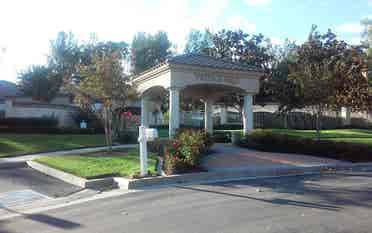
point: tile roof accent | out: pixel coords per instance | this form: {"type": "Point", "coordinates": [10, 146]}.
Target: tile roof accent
{"type": "Point", "coordinates": [201, 60]}
{"type": "Point", "coordinates": [208, 61]}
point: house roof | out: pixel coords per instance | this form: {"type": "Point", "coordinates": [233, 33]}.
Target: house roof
{"type": "Point", "coordinates": [200, 60]}
{"type": "Point", "coordinates": [8, 89]}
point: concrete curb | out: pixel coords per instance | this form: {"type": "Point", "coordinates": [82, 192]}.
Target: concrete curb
{"type": "Point", "coordinates": [222, 176]}
{"type": "Point", "coordinates": [195, 178]}
{"type": "Point", "coordinates": [96, 184]}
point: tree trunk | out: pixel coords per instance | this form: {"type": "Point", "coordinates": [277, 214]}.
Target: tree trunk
{"type": "Point", "coordinates": [318, 125]}
{"type": "Point", "coordinates": [106, 123]}
{"type": "Point", "coordinates": [109, 126]}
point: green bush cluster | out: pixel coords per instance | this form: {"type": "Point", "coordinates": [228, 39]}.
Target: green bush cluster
{"type": "Point", "coordinates": [272, 142]}
{"type": "Point", "coordinates": [184, 153]}
{"type": "Point", "coordinates": [127, 136]}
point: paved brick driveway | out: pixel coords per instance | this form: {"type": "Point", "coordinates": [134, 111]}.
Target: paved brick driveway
{"type": "Point", "coordinates": [229, 157]}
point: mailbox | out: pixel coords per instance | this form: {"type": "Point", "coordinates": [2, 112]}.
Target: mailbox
{"type": "Point", "coordinates": [151, 134]}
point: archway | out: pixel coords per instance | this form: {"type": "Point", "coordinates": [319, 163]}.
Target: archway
{"type": "Point", "coordinates": [197, 76]}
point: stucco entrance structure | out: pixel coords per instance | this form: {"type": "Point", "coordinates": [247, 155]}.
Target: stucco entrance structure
{"type": "Point", "coordinates": [196, 77]}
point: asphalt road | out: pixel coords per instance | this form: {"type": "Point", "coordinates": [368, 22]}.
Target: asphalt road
{"type": "Point", "coordinates": [15, 179]}
{"type": "Point", "coordinates": [329, 203]}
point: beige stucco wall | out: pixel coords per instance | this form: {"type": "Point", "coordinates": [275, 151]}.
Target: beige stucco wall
{"type": "Point", "coordinates": [63, 114]}
{"type": "Point", "coordinates": [247, 82]}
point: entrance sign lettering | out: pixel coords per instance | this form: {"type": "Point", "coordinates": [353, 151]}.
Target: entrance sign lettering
{"type": "Point", "coordinates": [215, 78]}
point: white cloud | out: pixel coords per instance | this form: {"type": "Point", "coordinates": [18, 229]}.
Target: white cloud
{"type": "Point", "coordinates": [257, 2]}
{"type": "Point", "coordinates": [350, 28]}
{"type": "Point", "coordinates": [238, 22]}
{"type": "Point", "coordinates": [276, 41]}
{"type": "Point", "coordinates": [355, 41]}
{"type": "Point", "coordinates": [37, 22]}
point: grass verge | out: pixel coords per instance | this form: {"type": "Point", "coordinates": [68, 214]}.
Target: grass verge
{"type": "Point", "coordinates": [18, 144]}
{"type": "Point", "coordinates": [92, 166]}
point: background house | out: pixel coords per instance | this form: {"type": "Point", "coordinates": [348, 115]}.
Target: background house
{"type": "Point", "coordinates": [13, 104]}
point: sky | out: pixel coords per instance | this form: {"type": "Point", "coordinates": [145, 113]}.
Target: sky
{"type": "Point", "coordinates": [28, 26]}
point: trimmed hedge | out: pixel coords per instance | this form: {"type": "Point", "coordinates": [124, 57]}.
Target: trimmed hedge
{"type": "Point", "coordinates": [127, 136]}
{"type": "Point", "coordinates": [266, 141]}
{"type": "Point", "coordinates": [228, 127]}
{"type": "Point", "coordinates": [48, 130]}
{"type": "Point", "coordinates": [222, 137]}
{"type": "Point", "coordinates": [16, 122]}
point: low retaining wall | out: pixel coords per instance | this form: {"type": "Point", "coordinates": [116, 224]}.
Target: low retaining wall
{"type": "Point", "coordinates": [99, 184]}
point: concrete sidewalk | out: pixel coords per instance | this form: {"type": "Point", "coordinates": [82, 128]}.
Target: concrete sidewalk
{"type": "Point", "coordinates": [20, 161]}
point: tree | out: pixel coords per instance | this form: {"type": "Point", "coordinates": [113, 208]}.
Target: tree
{"type": "Point", "coordinates": [102, 87]}
{"type": "Point", "coordinates": [367, 34]}
{"type": "Point", "coordinates": [44, 82]}
{"type": "Point", "coordinates": [198, 41]}
{"type": "Point", "coordinates": [149, 50]}
{"type": "Point", "coordinates": [328, 75]}
{"type": "Point", "coordinates": [39, 83]}
{"type": "Point", "coordinates": [251, 50]}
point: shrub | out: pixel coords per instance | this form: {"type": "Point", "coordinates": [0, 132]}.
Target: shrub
{"type": "Point", "coordinates": [184, 153]}
{"type": "Point", "coordinates": [271, 142]}
{"type": "Point", "coordinates": [127, 136]}
{"type": "Point", "coordinates": [222, 137]}
{"type": "Point", "coordinates": [228, 127]}
{"type": "Point", "coordinates": [31, 122]}
{"type": "Point", "coordinates": [158, 146]}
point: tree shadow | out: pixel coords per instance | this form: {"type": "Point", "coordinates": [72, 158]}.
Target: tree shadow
{"type": "Point", "coordinates": [3, 228]}
{"type": "Point", "coordinates": [44, 219]}
{"type": "Point", "coordinates": [275, 201]}
{"type": "Point", "coordinates": [329, 192]}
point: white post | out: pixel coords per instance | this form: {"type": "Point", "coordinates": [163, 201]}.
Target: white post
{"type": "Point", "coordinates": [143, 150]}
{"type": "Point", "coordinates": [248, 114]}
{"type": "Point", "coordinates": [346, 115]}
{"type": "Point", "coordinates": [144, 112]}
{"type": "Point", "coordinates": [174, 111]}
{"type": "Point", "coordinates": [223, 115]}
{"type": "Point", "coordinates": [208, 121]}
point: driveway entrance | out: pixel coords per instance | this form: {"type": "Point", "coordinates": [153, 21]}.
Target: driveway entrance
{"type": "Point", "coordinates": [20, 186]}
{"type": "Point", "coordinates": [227, 157]}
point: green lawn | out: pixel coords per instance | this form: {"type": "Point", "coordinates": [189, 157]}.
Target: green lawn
{"type": "Point", "coordinates": [17, 144]}
{"type": "Point", "coordinates": [363, 136]}
{"type": "Point", "coordinates": [90, 166]}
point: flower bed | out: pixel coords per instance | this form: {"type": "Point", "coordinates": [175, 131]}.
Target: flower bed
{"type": "Point", "coordinates": [184, 153]}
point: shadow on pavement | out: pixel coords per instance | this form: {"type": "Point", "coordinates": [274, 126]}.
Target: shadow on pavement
{"type": "Point", "coordinates": [330, 192]}
{"type": "Point", "coordinates": [42, 218]}
{"type": "Point", "coordinates": [276, 201]}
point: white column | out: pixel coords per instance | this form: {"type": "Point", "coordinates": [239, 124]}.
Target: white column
{"type": "Point", "coordinates": [144, 112]}
{"type": "Point", "coordinates": [174, 111]}
{"type": "Point", "coordinates": [208, 120]}
{"type": "Point", "coordinates": [346, 115]}
{"type": "Point", "coordinates": [248, 114]}
{"type": "Point", "coordinates": [223, 115]}
{"type": "Point", "coordinates": [143, 150]}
